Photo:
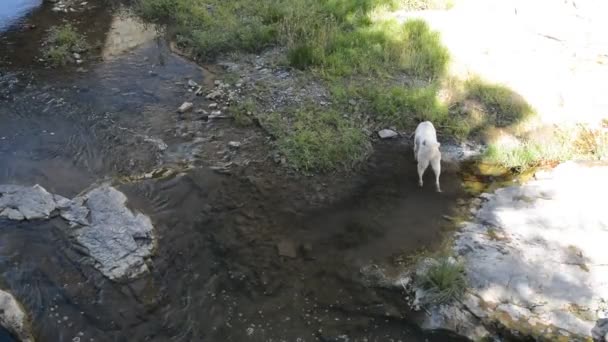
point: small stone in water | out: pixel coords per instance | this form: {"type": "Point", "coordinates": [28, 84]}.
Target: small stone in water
{"type": "Point", "coordinates": [186, 106]}
{"type": "Point", "coordinates": [234, 144]}
{"type": "Point", "coordinates": [192, 84]}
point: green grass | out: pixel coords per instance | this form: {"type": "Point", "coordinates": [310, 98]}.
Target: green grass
{"type": "Point", "coordinates": [444, 281]}
{"type": "Point", "coordinates": [58, 55]}
{"type": "Point", "coordinates": [336, 36]}
{"type": "Point", "coordinates": [61, 41]}
{"type": "Point", "coordinates": [242, 113]}
{"type": "Point", "coordinates": [579, 143]}
{"type": "Point", "coordinates": [357, 56]}
{"type": "Point", "coordinates": [502, 107]}
{"type": "Point", "coordinates": [316, 139]}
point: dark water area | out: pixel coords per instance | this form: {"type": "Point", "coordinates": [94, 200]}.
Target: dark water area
{"type": "Point", "coordinates": [216, 274]}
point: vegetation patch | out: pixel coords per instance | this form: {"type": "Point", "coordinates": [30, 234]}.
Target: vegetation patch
{"type": "Point", "coordinates": [61, 42]}
{"type": "Point", "coordinates": [317, 139]}
{"type": "Point", "coordinates": [242, 113]}
{"type": "Point", "coordinates": [502, 106]}
{"type": "Point", "coordinates": [581, 143]}
{"type": "Point", "coordinates": [393, 72]}
{"type": "Point", "coordinates": [444, 281]}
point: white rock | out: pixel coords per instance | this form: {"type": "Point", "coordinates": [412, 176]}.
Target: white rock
{"type": "Point", "coordinates": [553, 258]}
{"type": "Point", "coordinates": [186, 106]}
{"type": "Point", "coordinates": [214, 94]}
{"type": "Point", "coordinates": [387, 134]}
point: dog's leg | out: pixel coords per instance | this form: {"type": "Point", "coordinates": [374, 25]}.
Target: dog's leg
{"type": "Point", "coordinates": [422, 165]}
{"type": "Point", "coordinates": [416, 149]}
{"type": "Point", "coordinates": [436, 165]}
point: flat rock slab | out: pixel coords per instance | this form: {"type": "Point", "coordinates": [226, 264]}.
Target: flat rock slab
{"type": "Point", "coordinates": [117, 239]}
{"type": "Point", "coordinates": [25, 203]}
{"type": "Point", "coordinates": [13, 317]}
{"type": "Point", "coordinates": [536, 256]}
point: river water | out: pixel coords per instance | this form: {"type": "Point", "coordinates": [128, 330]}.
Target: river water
{"type": "Point", "coordinates": [216, 274]}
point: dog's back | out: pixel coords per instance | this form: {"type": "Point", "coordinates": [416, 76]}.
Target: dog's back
{"type": "Point", "coordinates": [426, 150]}
{"type": "Point", "coordinates": [426, 134]}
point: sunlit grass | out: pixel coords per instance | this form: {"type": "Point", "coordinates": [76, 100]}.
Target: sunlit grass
{"type": "Point", "coordinates": [393, 71]}
{"type": "Point", "coordinates": [580, 142]}
{"type": "Point", "coordinates": [317, 139]}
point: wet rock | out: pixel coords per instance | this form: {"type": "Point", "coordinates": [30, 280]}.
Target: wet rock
{"type": "Point", "coordinates": [186, 106]}
{"type": "Point", "coordinates": [287, 248]}
{"type": "Point", "coordinates": [117, 239]}
{"type": "Point", "coordinates": [457, 319]}
{"type": "Point", "coordinates": [454, 154]}
{"type": "Point", "coordinates": [213, 105]}
{"type": "Point", "coordinates": [387, 134]}
{"type": "Point", "coordinates": [22, 202]}
{"type": "Point", "coordinates": [192, 84]}
{"type": "Point", "coordinates": [13, 318]}
{"type": "Point", "coordinates": [12, 214]}
{"type": "Point", "coordinates": [234, 144]}
{"type": "Point", "coordinates": [600, 331]}
{"type": "Point", "coordinates": [216, 114]}
{"type": "Point", "coordinates": [76, 55]}
{"type": "Point", "coordinates": [75, 212]}
{"type": "Point", "coordinates": [214, 94]}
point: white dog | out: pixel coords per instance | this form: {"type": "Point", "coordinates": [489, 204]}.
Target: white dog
{"type": "Point", "coordinates": [426, 150]}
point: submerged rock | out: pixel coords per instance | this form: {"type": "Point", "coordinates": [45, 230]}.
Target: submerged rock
{"type": "Point", "coordinates": [287, 248]}
{"type": "Point", "coordinates": [116, 238]}
{"type": "Point", "coordinates": [13, 318]}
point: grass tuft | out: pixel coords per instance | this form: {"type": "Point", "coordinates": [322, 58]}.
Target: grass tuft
{"type": "Point", "coordinates": [443, 282]}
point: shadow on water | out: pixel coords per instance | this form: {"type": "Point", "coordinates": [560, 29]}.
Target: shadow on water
{"type": "Point", "coordinates": [216, 275]}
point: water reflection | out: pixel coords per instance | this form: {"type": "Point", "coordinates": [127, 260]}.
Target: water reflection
{"type": "Point", "coordinates": [126, 32]}
{"type": "Point", "coordinates": [12, 10]}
